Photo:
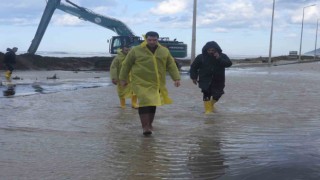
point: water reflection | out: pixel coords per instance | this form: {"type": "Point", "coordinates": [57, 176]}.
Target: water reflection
{"type": "Point", "coordinates": [164, 155]}
{"type": "Point", "coordinates": [134, 156]}
{"type": "Point", "coordinates": [206, 162]}
{"type": "Point", "coordinates": [23, 89]}
{"type": "Point", "coordinates": [148, 162]}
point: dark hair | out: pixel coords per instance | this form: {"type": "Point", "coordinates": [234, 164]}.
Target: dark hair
{"type": "Point", "coordinates": [152, 34]}
{"type": "Point", "coordinates": [126, 46]}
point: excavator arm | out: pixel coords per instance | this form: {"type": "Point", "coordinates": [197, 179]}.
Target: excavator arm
{"type": "Point", "coordinates": [125, 35]}
{"type": "Point", "coordinates": [45, 19]}
{"type": "Point", "coordinates": [85, 14]}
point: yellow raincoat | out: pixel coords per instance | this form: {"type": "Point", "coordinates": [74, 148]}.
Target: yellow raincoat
{"type": "Point", "coordinates": [123, 92]}
{"type": "Point", "coordinates": [148, 72]}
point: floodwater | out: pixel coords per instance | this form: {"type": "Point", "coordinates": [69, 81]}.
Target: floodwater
{"type": "Point", "coordinates": [266, 126]}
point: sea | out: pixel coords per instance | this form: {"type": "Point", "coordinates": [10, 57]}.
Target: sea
{"type": "Point", "coordinates": [107, 54]}
{"type": "Point", "coordinates": [70, 54]}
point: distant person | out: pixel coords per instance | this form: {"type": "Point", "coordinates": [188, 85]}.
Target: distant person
{"type": "Point", "coordinates": [9, 61]}
{"type": "Point", "coordinates": [208, 71]}
{"type": "Point", "coordinates": [123, 92]}
{"type": "Point", "coordinates": [148, 64]}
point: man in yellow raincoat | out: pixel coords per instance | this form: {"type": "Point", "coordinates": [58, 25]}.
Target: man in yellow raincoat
{"type": "Point", "coordinates": [123, 92]}
{"type": "Point", "coordinates": [148, 63]}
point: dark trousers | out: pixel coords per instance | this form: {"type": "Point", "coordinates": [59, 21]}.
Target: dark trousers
{"type": "Point", "coordinates": [147, 110]}
{"type": "Point", "coordinates": [9, 67]}
{"type": "Point", "coordinates": [214, 91]}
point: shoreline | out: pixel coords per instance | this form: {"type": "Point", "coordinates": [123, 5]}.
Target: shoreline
{"type": "Point", "coordinates": [101, 63]}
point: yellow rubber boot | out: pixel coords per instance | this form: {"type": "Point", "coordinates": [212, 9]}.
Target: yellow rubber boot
{"type": "Point", "coordinates": [8, 74]}
{"type": "Point", "coordinates": [207, 107]}
{"type": "Point", "coordinates": [123, 102]}
{"type": "Point", "coordinates": [212, 104]}
{"type": "Point", "coordinates": [134, 101]}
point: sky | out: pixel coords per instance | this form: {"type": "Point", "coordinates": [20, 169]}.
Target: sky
{"type": "Point", "coordinates": [240, 27]}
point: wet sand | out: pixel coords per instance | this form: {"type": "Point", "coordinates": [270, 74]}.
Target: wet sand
{"type": "Point", "coordinates": [266, 126]}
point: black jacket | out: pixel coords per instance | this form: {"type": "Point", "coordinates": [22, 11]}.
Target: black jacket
{"type": "Point", "coordinates": [207, 69]}
{"type": "Point", "coordinates": [10, 57]}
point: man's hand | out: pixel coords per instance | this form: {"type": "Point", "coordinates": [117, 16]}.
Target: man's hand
{"type": "Point", "coordinates": [115, 82]}
{"type": "Point", "coordinates": [216, 55]}
{"type": "Point", "coordinates": [194, 81]}
{"type": "Point", "coordinates": [123, 83]}
{"type": "Point", "coordinates": [177, 83]}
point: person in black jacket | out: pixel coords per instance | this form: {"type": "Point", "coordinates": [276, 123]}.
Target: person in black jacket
{"type": "Point", "coordinates": [10, 60]}
{"type": "Point", "coordinates": [208, 71]}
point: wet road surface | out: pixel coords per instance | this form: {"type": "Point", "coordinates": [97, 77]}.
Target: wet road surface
{"type": "Point", "coordinates": [266, 126]}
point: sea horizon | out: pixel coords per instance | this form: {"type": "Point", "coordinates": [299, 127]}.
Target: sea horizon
{"type": "Point", "coordinates": [107, 54]}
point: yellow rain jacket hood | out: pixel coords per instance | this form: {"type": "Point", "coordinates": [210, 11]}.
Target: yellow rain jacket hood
{"type": "Point", "coordinates": [148, 73]}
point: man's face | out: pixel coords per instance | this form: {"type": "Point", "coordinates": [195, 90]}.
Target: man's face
{"type": "Point", "coordinates": [152, 41]}
{"type": "Point", "coordinates": [125, 50]}
{"type": "Point", "coordinates": [211, 51]}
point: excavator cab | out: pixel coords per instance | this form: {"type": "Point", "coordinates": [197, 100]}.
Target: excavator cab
{"type": "Point", "coordinates": [116, 42]}
{"type": "Point", "coordinates": [176, 48]}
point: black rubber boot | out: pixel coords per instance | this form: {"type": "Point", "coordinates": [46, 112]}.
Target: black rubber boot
{"type": "Point", "coordinates": [145, 123]}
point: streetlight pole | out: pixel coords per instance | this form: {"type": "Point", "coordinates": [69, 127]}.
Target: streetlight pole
{"type": "Point", "coordinates": [302, 29]}
{"type": "Point", "coordinates": [194, 23]}
{"type": "Point", "coordinates": [270, 47]}
{"type": "Point", "coordinates": [315, 46]}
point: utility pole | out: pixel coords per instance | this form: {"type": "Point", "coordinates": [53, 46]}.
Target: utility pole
{"type": "Point", "coordinates": [302, 29]}
{"type": "Point", "coordinates": [315, 46]}
{"type": "Point", "coordinates": [270, 47]}
{"type": "Point", "coordinates": [194, 24]}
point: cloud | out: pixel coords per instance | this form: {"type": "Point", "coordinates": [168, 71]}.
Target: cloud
{"type": "Point", "coordinates": [238, 14]}
{"type": "Point", "coordinates": [290, 4]}
{"type": "Point", "coordinates": [220, 30]}
{"type": "Point", "coordinates": [309, 14]}
{"type": "Point", "coordinates": [101, 9]}
{"type": "Point", "coordinates": [167, 19]}
{"type": "Point", "coordinates": [66, 20]}
{"type": "Point", "coordinates": [230, 14]}
{"type": "Point", "coordinates": [18, 4]}
{"type": "Point", "coordinates": [18, 22]}
{"type": "Point", "coordinates": [224, 13]}
{"type": "Point", "coordinates": [291, 35]}
{"type": "Point", "coordinates": [169, 7]}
